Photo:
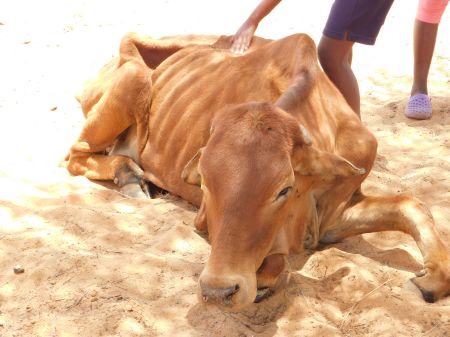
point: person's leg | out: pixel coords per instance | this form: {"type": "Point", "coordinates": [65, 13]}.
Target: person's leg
{"type": "Point", "coordinates": [349, 21]}
{"type": "Point", "coordinates": [426, 26]}
{"type": "Point", "coordinates": [424, 41]}
{"type": "Point", "coordinates": [335, 57]}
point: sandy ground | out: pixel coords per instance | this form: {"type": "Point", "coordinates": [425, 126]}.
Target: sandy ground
{"type": "Point", "coordinates": [99, 264]}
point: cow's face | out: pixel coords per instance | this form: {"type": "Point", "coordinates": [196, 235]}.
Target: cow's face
{"type": "Point", "coordinates": [247, 172]}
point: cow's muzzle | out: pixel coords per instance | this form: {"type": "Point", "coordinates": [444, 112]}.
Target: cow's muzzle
{"type": "Point", "coordinates": [221, 296]}
{"type": "Point", "coordinates": [229, 291]}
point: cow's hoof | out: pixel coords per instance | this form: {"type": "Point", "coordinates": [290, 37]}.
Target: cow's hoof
{"type": "Point", "coordinates": [311, 242]}
{"type": "Point", "coordinates": [421, 273]}
{"type": "Point", "coordinates": [133, 191]}
{"type": "Point", "coordinates": [262, 294]}
{"type": "Point", "coordinates": [428, 296]}
{"type": "Point", "coordinates": [329, 238]}
{"type": "Point", "coordinates": [432, 286]}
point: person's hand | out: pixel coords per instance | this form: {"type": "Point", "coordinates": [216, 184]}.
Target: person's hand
{"type": "Point", "coordinates": [243, 38]}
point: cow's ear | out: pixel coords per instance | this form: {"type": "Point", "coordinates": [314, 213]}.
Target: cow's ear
{"type": "Point", "coordinates": [190, 172]}
{"type": "Point", "coordinates": [310, 161]}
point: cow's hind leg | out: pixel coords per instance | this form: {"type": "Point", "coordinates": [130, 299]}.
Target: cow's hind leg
{"type": "Point", "coordinates": [406, 214]}
{"type": "Point", "coordinates": [119, 100]}
{"type": "Point", "coordinates": [124, 103]}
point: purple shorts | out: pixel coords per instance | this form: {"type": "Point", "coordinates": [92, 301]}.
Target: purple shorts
{"type": "Point", "coordinates": [357, 20]}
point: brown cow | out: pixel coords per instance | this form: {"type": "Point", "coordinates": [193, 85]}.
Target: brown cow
{"type": "Point", "coordinates": [263, 143]}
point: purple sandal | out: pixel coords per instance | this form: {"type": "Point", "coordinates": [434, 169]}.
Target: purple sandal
{"type": "Point", "coordinates": [418, 107]}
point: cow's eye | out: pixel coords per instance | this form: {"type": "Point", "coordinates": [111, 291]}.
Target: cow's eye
{"type": "Point", "coordinates": [283, 193]}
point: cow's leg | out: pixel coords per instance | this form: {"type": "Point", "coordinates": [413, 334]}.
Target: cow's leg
{"type": "Point", "coordinates": [200, 221]}
{"type": "Point", "coordinates": [406, 214]}
{"type": "Point", "coordinates": [267, 275]}
{"type": "Point", "coordinates": [117, 99]}
{"type": "Point", "coordinates": [124, 102]}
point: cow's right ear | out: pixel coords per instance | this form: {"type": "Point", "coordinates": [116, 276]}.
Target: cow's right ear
{"type": "Point", "coordinates": [309, 161]}
{"type": "Point", "coordinates": [190, 172]}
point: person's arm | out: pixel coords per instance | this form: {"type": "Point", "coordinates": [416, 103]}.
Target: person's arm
{"type": "Point", "coordinates": [243, 37]}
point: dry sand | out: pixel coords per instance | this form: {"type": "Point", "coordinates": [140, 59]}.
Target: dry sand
{"type": "Point", "coordinates": [99, 264]}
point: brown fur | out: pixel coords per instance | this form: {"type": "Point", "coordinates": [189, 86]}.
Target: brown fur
{"type": "Point", "coordinates": [264, 190]}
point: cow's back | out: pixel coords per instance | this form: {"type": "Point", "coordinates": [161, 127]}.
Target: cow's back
{"type": "Point", "coordinates": [191, 86]}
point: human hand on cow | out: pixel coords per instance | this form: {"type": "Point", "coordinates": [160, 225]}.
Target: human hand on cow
{"type": "Point", "coordinates": [243, 37]}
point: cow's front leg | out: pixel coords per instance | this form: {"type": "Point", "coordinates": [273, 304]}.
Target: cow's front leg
{"type": "Point", "coordinates": [312, 230]}
{"type": "Point", "coordinates": [268, 274]}
{"type": "Point", "coordinates": [406, 214]}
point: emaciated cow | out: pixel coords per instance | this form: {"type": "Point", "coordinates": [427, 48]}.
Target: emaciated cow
{"type": "Point", "coordinates": [263, 143]}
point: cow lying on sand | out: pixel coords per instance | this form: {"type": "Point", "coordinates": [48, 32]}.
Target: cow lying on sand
{"type": "Point", "coordinates": [262, 143]}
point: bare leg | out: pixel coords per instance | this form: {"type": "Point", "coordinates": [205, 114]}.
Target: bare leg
{"type": "Point", "coordinates": [408, 215]}
{"type": "Point", "coordinates": [335, 57]}
{"type": "Point", "coordinates": [424, 42]}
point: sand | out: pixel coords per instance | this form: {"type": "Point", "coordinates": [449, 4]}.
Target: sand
{"type": "Point", "coordinates": [98, 264]}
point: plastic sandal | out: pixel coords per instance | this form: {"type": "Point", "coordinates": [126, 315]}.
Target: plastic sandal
{"type": "Point", "coordinates": [418, 107]}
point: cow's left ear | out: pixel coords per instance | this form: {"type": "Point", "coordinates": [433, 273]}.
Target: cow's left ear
{"type": "Point", "coordinates": [190, 172]}
{"type": "Point", "coordinates": [310, 161]}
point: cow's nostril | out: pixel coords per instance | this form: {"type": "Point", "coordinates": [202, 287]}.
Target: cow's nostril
{"type": "Point", "coordinates": [228, 293]}
{"type": "Point", "coordinates": [231, 290]}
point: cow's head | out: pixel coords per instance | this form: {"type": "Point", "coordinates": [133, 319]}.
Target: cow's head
{"type": "Point", "coordinates": [249, 172]}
